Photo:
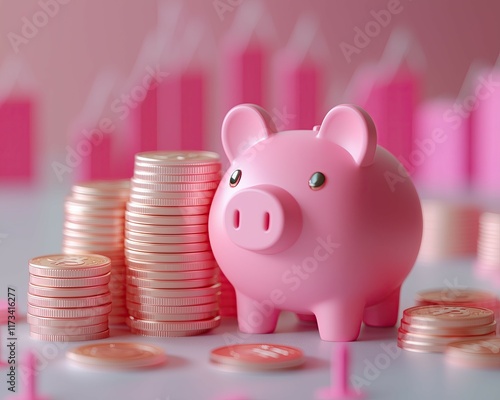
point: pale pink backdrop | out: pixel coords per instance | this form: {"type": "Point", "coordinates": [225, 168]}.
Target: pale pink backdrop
{"type": "Point", "coordinates": [87, 36]}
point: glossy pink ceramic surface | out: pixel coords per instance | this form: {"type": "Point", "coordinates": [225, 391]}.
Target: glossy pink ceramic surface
{"type": "Point", "coordinates": [339, 251]}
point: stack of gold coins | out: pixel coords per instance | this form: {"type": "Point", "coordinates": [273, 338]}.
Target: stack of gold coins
{"type": "Point", "coordinates": [94, 223]}
{"type": "Point", "coordinates": [450, 230]}
{"type": "Point", "coordinates": [432, 328]}
{"type": "Point", "coordinates": [172, 277]}
{"type": "Point", "coordinates": [68, 297]}
{"type": "Point", "coordinates": [488, 248]}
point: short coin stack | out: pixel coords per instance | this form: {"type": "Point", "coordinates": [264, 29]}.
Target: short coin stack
{"type": "Point", "coordinates": [432, 328]}
{"type": "Point", "coordinates": [450, 296]}
{"type": "Point", "coordinates": [68, 297]}
{"type": "Point", "coordinates": [94, 223]}
{"type": "Point", "coordinates": [482, 353]}
{"type": "Point", "coordinates": [172, 277]}
{"type": "Point", "coordinates": [450, 230]}
{"type": "Point", "coordinates": [488, 248]}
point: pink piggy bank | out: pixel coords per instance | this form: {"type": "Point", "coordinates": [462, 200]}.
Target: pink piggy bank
{"type": "Point", "coordinates": [322, 223]}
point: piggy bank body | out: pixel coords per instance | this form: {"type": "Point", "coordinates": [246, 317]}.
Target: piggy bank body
{"type": "Point", "coordinates": [323, 223]}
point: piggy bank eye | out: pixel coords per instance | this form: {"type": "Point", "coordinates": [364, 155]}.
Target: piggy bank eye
{"type": "Point", "coordinates": [235, 178]}
{"type": "Point", "coordinates": [317, 181]}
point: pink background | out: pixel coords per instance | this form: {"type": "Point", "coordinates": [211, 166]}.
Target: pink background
{"type": "Point", "coordinates": [87, 36]}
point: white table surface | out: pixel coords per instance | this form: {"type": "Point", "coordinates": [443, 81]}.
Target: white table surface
{"type": "Point", "coordinates": [31, 225]}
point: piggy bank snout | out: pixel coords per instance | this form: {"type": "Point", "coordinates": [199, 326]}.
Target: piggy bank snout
{"type": "Point", "coordinates": [263, 218]}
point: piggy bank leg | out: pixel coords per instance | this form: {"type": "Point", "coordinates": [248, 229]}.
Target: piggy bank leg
{"type": "Point", "coordinates": [256, 316]}
{"type": "Point", "coordinates": [340, 321]}
{"type": "Point", "coordinates": [385, 313]}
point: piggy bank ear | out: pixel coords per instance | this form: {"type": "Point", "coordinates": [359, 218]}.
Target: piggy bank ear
{"type": "Point", "coordinates": [352, 128]}
{"type": "Point", "coordinates": [244, 126]}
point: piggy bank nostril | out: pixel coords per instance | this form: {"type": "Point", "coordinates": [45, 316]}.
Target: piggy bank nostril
{"type": "Point", "coordinates": [267, 221]}
{"type": "Point", "coordinates": [236, 219]}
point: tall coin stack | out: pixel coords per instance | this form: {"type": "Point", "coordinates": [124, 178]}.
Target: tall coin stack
{"type": "Point", "coordinates": [94, 223]}
{"type": "Point", "coordinates": [488, 247]}
{"type": "Point", "coordinates": [172, 277]}
{"type": "Point", "coordinates": [68, 297]}
{"type": "Point", "coordinates": [429, 329]}
{"type": "Point", "coordinates": [450, 230]}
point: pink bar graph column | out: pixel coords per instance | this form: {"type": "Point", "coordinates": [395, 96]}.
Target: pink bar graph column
{"type": "Point", "coordinates": [373, 98]}
{"type": "Point", "coordinates": [401, 102]}
{"type": "Point", "coordinates": [297, 87]}
{"type": "Point", "coordinates": [16, 139]}
{"type": "Point", "coordinates": [148, 109]}
{"type": "Point", "coordinates": [243, 80]}
{"type": "Point", "coordinates": [251, 62]}
{"type": "Point", "coordinates": [96, 154]}
{"type": "Point", "coordinates": [486, 137]}
{"type": "Point", "coordinates": [169, 111]}
{"type": "Point", "coordinates": [125, 145]}
{"type": "Point", "coordinates": [138, 132]}
{"type": "Point", "coordinates": [192, 118]}
{"type": "Point", "coordinates": [182, 111]}
{"type": "Point", "coordinates": [441, 148]}
{"type": "Point", "coordinates": [391, 103]}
